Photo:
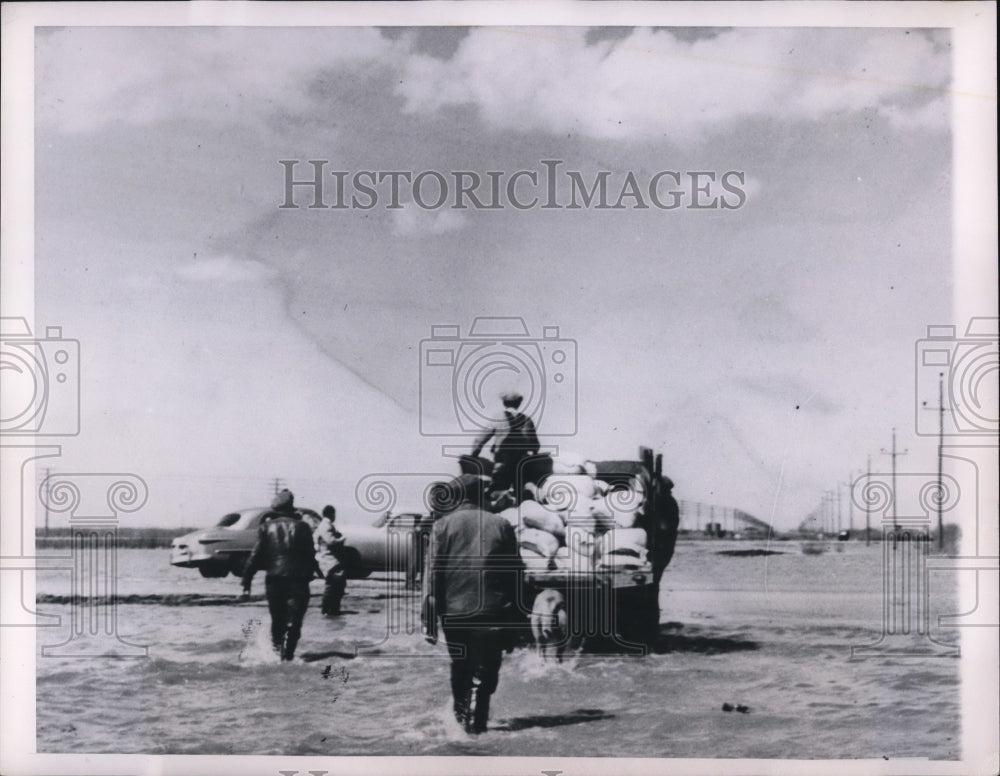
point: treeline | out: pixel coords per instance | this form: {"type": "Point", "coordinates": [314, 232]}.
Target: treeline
{"type": "Point", "coordinates": [129, 538]}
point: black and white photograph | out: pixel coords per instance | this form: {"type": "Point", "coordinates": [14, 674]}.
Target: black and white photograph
{"type": "Point", "coordinates": [499, 388]}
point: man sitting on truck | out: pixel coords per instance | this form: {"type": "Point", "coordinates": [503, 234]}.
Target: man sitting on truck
{"type": "Point", "coordinates": [514, 439]}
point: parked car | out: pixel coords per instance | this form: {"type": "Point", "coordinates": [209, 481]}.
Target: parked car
{"type": "Point", "coordinates": [388, 545]}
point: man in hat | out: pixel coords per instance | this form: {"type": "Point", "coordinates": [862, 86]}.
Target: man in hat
{"type": "Point", "coordinates": [474, 570]}
{"type": "Point", "coordinates": [285, 550]}
{"type": "Point", "coordinates": [514, 439]}
{"type": "Point", "coordinates": [330, 544]}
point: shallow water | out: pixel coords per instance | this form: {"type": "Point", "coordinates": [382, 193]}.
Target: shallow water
{"type": "Point", "coordinates": [771, 632]}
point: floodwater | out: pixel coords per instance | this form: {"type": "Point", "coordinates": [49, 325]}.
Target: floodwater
{"type": "Point", "coordinates": [772, 633]}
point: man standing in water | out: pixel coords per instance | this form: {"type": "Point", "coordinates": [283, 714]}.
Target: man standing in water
{"type": "Point", "coordinates": [330, 542]}
{"type": "Point", "coordinates": [285, 550]}
{"type": "Point", "coordinates": [473, 574]}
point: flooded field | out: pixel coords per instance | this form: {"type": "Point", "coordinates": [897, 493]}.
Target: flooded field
{"type": "Point", "coordinates": [769, 632]}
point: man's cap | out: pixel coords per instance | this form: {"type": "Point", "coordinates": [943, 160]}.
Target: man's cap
{"type": "Point", "coordinates": [467, 487]}
{"type": "Point", "coordinates": [329, 511]}
{"type": "Point", "coordinates": [511, 399]}
{"type": "Point", "coordinates": [284, 500]}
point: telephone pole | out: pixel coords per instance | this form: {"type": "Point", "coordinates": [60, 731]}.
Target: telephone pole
{"type": "Point", "coordinates": [48, 473]}
{"type": "Point", "coordinates": [868, 509]}
{"type": "Point", "coordinates": [850, 501]}
{"type": "Point", "coordinates": [278, 485]}
{"type": "Point", "coordinates": [894, 454]}
{"type": "Point", "coordinates": [940, 453]}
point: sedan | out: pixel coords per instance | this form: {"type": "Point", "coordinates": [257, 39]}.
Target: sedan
{"type": "Point", "coordinates": [391, 544]}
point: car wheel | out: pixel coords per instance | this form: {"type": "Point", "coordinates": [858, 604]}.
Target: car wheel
{"type": "Point", "coordinates": [211, 571]}
{"type": "Point", "coordinates": [350, 559]}
{"type": "Point", "coordinates": [237, 565]}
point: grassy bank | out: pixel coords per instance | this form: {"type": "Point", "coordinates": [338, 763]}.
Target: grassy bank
{"type": "Point", "coordinates": [131, 538]}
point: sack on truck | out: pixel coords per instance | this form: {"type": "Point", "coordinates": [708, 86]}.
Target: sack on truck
{"type": "Point", "coordinates": [541, 542]}
{"type": "Point", "coordinates": [569, 491]}
{"type": "Point", "coordinates": [627, 541]}
{"type": "Point", "coordinates": [550, 522]}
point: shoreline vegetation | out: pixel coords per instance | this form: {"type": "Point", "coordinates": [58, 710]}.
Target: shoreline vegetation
{"type": "Point", "coordinates": [127, 537]}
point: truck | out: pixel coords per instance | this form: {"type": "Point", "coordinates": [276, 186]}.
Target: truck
{"type": "Point", "coordinates": [613, 549]}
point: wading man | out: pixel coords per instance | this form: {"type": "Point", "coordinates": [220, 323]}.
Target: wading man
{"type": "Point", "coordinates": [474, 570]}
{"type": "Point", "coordinates": [285, 550]}
{"type": "Point", "coordinates": [330, 544]}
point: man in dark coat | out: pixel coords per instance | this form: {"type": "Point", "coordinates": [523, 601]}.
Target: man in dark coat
{"type": "Point", "coordinates": [664, 526]}
{"type": "Point", "coordinates": [514, 439]}
{"type": "Point", "coordinates": [474, 569]}
{"type": "Point", "coordinates": [285, 550]}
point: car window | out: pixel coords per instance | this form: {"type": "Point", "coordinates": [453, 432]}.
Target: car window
{"type": "Point", "coordinates": [404, 520]}
{"type": "Point", "coordinates": [245, 520]}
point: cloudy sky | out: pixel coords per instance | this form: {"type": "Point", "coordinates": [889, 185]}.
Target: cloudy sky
{"type": "Point", "coordinates": [765, 349]}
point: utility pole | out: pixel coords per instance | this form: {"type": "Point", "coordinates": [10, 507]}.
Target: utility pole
{"type": "Point", "coordinates": [940, 454]}
{"type": "Point", "coordinates": [278, 484]}
{"type": "Point", "coordinates": [868, 510]}
{"type": "Point", "coordinates": [894, 454]}
{"type": "Point", "coordinates": [840, 513]}
{"type": "Point", "coordinates": [48, 473]}
{"type": "Point", "coordinates": [850, 502]}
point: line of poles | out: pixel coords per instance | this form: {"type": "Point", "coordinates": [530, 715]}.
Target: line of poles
{"type": "Point", "coordinates": [828, 515]}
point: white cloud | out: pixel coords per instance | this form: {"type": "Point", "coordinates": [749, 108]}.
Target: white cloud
{"type": "Point", "coordinates": [649, 85]}
{"type": "Point", "coordinates": [224, 269]}
{"type": "Point", "coordinates": [653, 84]}
{"type": "Point", "coordinates": [89, 77]}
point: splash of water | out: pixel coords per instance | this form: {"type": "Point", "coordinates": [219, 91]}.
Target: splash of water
{"type": "Point", "coordinates": [257, 649]}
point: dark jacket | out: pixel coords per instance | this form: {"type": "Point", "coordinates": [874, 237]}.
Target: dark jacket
{"type": "Point", "coordinates": [513, 437]}
{"type": "Point", "coordinates": [284, 548]}
{"type": "Point", "coordinates": [474, 565]}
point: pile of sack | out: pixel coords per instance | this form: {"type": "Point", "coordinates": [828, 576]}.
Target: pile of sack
{"type": "Point", "coordinates": [574, 521]}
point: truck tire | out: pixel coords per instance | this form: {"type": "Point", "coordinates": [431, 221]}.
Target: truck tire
{"type": "Point", "coordinates": [637, 619]}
